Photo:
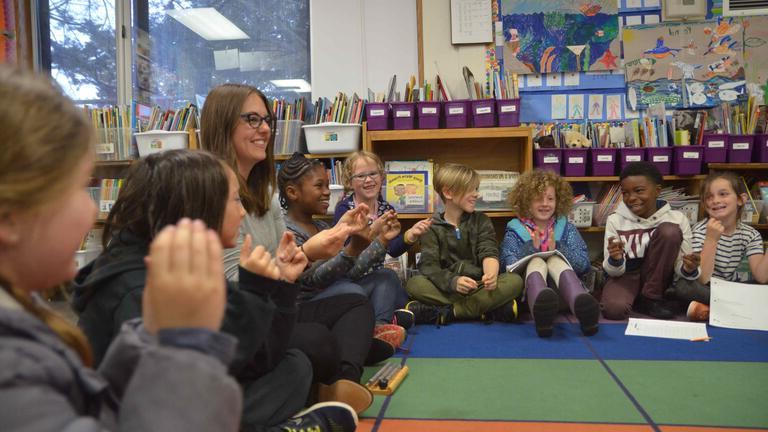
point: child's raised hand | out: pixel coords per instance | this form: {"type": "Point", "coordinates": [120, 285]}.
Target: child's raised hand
{"type": "Point", "coordinates": [258, 260]}
{"type": "Point", "coordinates": [615, 248]}
{"type": "Point", "coordinates": [691, 262]}
{"type": "Point", "coordinates": [185, 279]}
{"type": "Point", "coordinates": [465, 285]}
{"type": "Point", "coordinates": [356, 219]}
{"type": "Point", "coordinates": [379, 225]}
{"type": "Point", "coordinates": [390, 230]}
{"type": "Point", "coordinates": [290, 259]}
{"type": "Point", "coordinates": [327, 243]}
{"type": "Point", "coordinates": [489, 281]}
{"type": "Point", "coordinates": [715, 229]}
{"type": "Point", "coordinates": [417, 230]}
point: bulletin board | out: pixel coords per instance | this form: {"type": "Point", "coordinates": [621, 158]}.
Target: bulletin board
{"type": "Point", "coordinates": [684, 65]}
{"type": "Point", "coordinates": [560, 35]}
{"type": "Point", "coordinates": [756, 50]}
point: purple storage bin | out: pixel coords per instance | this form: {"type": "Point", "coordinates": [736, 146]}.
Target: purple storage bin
{"type": "Point", "coordinates": [661, 157]}
{"type": "Point", "coordinates": [575, 162]}
{"type": "Point", "coordinates": [428, 114]}
{"type": "Point", "coordinates": [761, 148]}
{"type": "Point", "coordinates": [551, 159]}
{"type": "Point", "coordinates": [483, 113]}
{"type": "Point", "coordinates": [630, 154]}
{"type": "Point", "coordinates": [688, 160]}
{"type": "Point", "coordinates": [508, 111]}
{"type": "Point", "coordinates": [740, 148]}
{"type": "Point", "coordinates": [403, 115]}
{"type": "Point", "coordinates": [715, 147]}
{"type": "Point", "coordinates": [456, 114]}
{"type": "Point", "coordinates": [377, 115]}
{"type": "Point", "coordinates": [603, 161]}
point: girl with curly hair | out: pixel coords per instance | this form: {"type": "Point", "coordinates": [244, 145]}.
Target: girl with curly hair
{"type": "Point", "coordinates": [542, 201]}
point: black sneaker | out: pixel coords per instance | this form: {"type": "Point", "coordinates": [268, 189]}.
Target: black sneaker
{"type": "Point", "coordinates": [545, 309]}
{"type": "Point", "coordinates": [322, 417]}
{"type": "Point", "coordinates": [659, 309]}
{"type": "Point", "coordinates": [404, 318]}
{"type": "Point", "coordinates": [505, 313]}
{"type": "Point", "coordinates": [426, 314]}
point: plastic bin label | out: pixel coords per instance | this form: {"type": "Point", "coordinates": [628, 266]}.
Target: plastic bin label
{"type": "Point", "coordinates": [575, 160]}
{"type": "Point", "coordinates": [429, 110]}
{"type": "Point", "coordinates": [376, 113]}
{"type": "Point", "coordinates": [661, 158]}
{"type": "Point", "coordinates": [156, 144]}
{"type": "Point", "coordinates": [741, 146]}
{"type": "Point", "coordinates": [716, 144]}
{"type": "Point", "coordinates": [492, 195]}
{"type": "Point", "coordinates": [456, 110]}
{"type": "Point", "coordinates": [402, 113]}
{"type": "Point", "coordinates": [604, 158]}
{"type": "Point", "coordinates": [551, 159]}
{"type": "Point", "coordinates": [105, 148]}
{"type": "Point", "coordinates": [483, 110]}
{"type": "Point", "coordinates": [633, 158]}
{"type": "Point", "coordinates": [105, 206]}
{"type": "Point", "coordinates": [690, 155]}
{"type": "Point", "coordinates": [508, 108]}
{"type": "Point", "coordinates": [330, 137]}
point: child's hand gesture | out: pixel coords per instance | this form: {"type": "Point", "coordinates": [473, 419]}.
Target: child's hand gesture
{"type": "Point", "coordinates": [615, 248]}
{"type": "Point", "coordinates": [258, 260]}
{"type": "Point", "coordinates": [185, 279]}
{"type": "Point", "coordinates": [356, 219]}
{"type": "Point", "coordinates": [465, 285]}
{"type": "Point", "coordinates": [714, 230]}
{"type": "Point", "coordinates": [390, 227]}
{"type": "Point", "coordinates": [489, 281]}
{"type": "Point", "coordinates": [536, 239]}
{"type": "Point", "coordinates": [691, 262]}
{"type": "Point", "coordinates": [290, 259]}
{"type": "Point", "coordinates": [417, 230]}
{"type": "Point", "coordinates": [379, 225]}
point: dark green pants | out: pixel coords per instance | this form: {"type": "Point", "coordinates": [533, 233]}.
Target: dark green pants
{"type": "Point", "coordinates": [508, 287]}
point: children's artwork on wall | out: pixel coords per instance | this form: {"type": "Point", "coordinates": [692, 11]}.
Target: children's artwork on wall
{"type": "Point", "coordinates": [595, 107]}
{"type": "Point", "coordinates": [576, 106]}
{"type": "Point", "coordinates": [613, 107]}
{"type": "Point", "coordinates": [560, 35]}
{"type": "Point", "coordinates": [694, 64]}
{"type": "Point", "coordinates": [756, 49]}
{"type": "Point", "coordinates": [559, 107]}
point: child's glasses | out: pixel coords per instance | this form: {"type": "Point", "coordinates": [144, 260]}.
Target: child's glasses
{"type": "Point", "coordinates": [374, 175]}
{"type": "Point", "coordinates": [254, 120]}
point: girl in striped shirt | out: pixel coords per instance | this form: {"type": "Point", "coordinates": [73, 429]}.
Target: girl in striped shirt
{"type": "Point", "coordinates": [723, 241]}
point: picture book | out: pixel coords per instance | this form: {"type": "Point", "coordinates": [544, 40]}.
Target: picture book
{"type": "Point", "coordinates": [408, 191]}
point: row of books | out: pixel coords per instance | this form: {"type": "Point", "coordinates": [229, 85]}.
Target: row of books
{"type": "Point", "coordinates": [105, 194]}
{"type": "Point", "coordinates": [342, 109]}
{"type": "Point", "coordinates": [181, 119]}
{"type": "Point", "coordinates": [284, 110]}
{"type": "Point", "coordinates": [114, 131]}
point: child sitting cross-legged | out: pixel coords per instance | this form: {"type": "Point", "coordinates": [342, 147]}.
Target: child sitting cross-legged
{"type": "Point", "coordinates": [460, 259]}
{"type": "Point", "coordinates": [542, 200]}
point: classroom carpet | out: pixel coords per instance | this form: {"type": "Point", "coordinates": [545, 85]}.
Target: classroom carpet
{"type": "Point", "coordinates": [477, 377]}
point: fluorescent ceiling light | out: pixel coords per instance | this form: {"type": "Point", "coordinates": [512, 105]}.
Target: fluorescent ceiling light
{"type": "Point", "coordinates": [301, 86]}
{"type": "Point", "coordinates": [208, 23]}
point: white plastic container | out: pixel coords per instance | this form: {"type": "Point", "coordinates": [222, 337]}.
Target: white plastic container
{"type": "Point", "coordinates": [159, 140]}
{"type": "Point", "coordinates": [332, 137]}
{"type": "Point", "coordinates": [751, 213]}
{"type": "Point", "coordinates": [336, 192]}
{"type": "Point", "coordinates": [581, 214]}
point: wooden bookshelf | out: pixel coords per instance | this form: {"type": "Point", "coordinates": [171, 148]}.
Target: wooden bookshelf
{"type": "Point", "coordinates": [738, 166]}
{"type": "Point", "coordinates": [114, 163]}
{"type": "Point", "coordinates": [616, 178]}
{"type": "Point", "coordinates": [283, 157]}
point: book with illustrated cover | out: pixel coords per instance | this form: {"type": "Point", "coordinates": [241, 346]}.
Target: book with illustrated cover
{"type": "Point", "coordinates": [416, 165]}
{"type": "Point", "coordinates": [494, 189]}
{"type": "Point", "coordinates": [408, 191]}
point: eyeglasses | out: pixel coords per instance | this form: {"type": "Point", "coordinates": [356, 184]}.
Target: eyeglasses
{"type": "Point", "coordinates": [255, 120]}
{"type": "Point", "coordinates": [374, 175]}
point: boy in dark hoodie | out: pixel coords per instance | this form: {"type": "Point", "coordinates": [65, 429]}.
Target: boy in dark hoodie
{"type": "Point", "coordinates": [460, 259]}
{"type": "Point", "coordinates": [646, 243]}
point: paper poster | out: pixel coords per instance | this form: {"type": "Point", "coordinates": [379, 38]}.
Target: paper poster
{"type": "Point", "coordinates": [572, 79]}
{"type": "Point", "coordinates": [651, 19]}
{"type": "Point", "coordinates": [595, 107]}
{"type": "Point", "coordinates": [666, 329]}
{"type": "Point", "coordinates": [652, 3]}
{"type": "Point", "coordinates": [533, 80]}
{"type": "Point", "coordinates": [559, 107]}
{"type": "Point", "coordinates": [613, 107]}
{"type": "Point", "coordinates": [576, 107]}
{"type": "Point", "coordinates": [634, 20]}
{"type": "Point", "coordinates": [738, 305]}
{"type": "Point", "coordinates": [634, 3]}
{"type": "Point", "coordinates": [554, 80]}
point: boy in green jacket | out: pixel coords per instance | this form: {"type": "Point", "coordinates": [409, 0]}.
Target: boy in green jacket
{"type": "Point", "coordinates": [460, 259]}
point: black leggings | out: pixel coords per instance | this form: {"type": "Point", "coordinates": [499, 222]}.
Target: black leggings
{"type": "Point", "coordinates": [335, 333]}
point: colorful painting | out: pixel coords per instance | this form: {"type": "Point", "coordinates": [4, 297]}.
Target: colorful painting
{"type": "Point", "coordinates": [684, 65]}
{"type": "Point", "coordinates": [756, 50]}
{"type": "Point", "coordinates": [560, 35]}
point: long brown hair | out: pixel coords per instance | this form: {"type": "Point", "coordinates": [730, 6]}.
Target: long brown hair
{"type": "Point", "coordinates": [220, 117]}
{"type": "Point", "coordinates": [163, 187]}
{"type": "Point", "coordinates": [44, 138]}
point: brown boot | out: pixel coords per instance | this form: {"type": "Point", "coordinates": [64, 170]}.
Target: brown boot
{"type": "Point", "coordinates": [351, 393]}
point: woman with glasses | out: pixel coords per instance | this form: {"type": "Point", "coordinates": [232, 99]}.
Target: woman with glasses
{"type": "Point", "coordinates": [335, 333]}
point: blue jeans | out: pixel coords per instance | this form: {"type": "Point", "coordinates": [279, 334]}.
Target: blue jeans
{"type": "Point", "coordinates": [381, 286]}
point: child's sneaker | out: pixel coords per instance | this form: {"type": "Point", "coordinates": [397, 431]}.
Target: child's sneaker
{"type": "Point", "coordinates": [349, 392]}
{"type": "Point", "coordinates": [697, 311]}
{"type": "Point", "coordinates": [379, 351]}
{"type": "Point", "coordinates": [659, 309]}
{"type": "Point", "coordinates": [390, 333]}
{"type": "Point", "coordinates": [505, 313]}
{"type": "Point", "coordinates": [404, 318]}
{"type": "Point", "coordinates": [587, 311]}
{"type": "Point", "coordinates": [322, 417]}
{"type": "Point", "coordinates": [545, 311]}
{"type": "Point", "coordinates": [425, 314]}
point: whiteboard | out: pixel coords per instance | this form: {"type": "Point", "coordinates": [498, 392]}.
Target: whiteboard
{"type": "Point", "coordinates": [471, 21]}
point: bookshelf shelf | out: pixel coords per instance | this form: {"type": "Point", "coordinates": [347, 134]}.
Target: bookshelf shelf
{"type": "Point", "coordinates": [282, 157]}
{"type": "Point", "coordinates": [114, 163]}
{"type": "Point", "coordinates": [490, 214]}
{"type": "Point", "coordinates": [616, 178]}
{"type": "Point", "coordinates": [738, 166]}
